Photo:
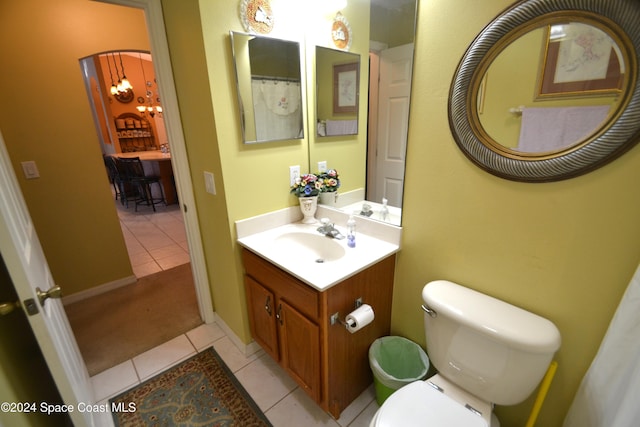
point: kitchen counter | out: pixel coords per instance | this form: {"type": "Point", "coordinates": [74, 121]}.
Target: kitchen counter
{"type": "Point", "coordinates": [154, 155]}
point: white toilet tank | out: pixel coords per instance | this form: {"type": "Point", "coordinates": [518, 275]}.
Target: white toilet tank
{"type": "Point", "coordinates": [490, 348]}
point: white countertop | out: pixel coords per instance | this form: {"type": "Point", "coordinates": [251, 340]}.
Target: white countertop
{"type": "Point", "coordinates": [267, 242]}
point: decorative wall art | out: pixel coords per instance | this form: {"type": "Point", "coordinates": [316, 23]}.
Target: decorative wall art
{"type": "Point", "coordinates": [579, 60]}
{"type": "Point", "coordinates": [341, 33]}
{"type": "Point", "coordinates": [125, 97]}
{"type": "Point", "coordinates": [346, 80]}
{"type": "Point", "coordinates": [256, 16]}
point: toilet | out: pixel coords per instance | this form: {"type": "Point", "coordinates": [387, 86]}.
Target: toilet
{"type": "Point", "coordinates": [486, 352]}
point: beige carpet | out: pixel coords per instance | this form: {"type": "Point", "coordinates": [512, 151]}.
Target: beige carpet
{"type": "Point", "coordinates": [118, 325]}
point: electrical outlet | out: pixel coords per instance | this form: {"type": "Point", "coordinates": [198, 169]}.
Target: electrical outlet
{"type": "Point", "coordinates": [209, 183]}
{"type": "Point", "coordinates": [294, 173]}
{"type": "Point", "coordinates": [322, 166]}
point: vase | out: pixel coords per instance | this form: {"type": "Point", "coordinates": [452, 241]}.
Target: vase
{"type": "Point", "coordinates": [308, 207]}
{"type": "Point", "coordinates": [330, 198]}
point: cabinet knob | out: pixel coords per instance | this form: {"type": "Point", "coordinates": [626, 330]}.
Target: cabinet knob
{"type": "Point", "coordinates": [267, 305]}
{"type": "Point", "coordinates": [279, 314]}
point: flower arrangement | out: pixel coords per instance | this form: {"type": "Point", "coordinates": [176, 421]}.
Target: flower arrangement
{"type": "Point", "coordinates": [330, 181]}
{"type": "Point", "coordinates": [307, 185]}
{"type": "Point", "coordinates": [312, 184]}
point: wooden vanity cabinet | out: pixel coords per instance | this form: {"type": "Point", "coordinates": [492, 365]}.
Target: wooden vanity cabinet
{"type": "Point", "coordinates": [292, 322]}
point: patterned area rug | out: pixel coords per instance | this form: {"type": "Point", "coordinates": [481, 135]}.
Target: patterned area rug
{"type": "Point", "coordinates": [200, 391]}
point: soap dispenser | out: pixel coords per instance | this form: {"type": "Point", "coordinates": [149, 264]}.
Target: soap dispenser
{"type": "Point", "coordinates": [351, 232]}
{"type": "Point", "coordinates": [384, 212]}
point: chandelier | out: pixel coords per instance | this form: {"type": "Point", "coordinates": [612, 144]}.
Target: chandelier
{"type": "Point", "coordinates": [149, 106]}
{"type": "Point", "coordinates": [123, 86]}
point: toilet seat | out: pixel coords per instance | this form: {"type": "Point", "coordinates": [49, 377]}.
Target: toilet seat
{"type": "Point", "coordinates": [419, 404]}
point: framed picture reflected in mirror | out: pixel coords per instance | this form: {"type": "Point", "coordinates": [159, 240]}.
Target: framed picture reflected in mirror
{"type": "Point", "coordinates": [346, 80]}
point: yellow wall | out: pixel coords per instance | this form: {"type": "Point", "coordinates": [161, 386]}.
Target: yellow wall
{"type": "Point", "coordinates": [45, 117]}
{"type": "Point", "coordinates": [203, 140]}
{"type": "Point", "coordinates": [256, 176]}
{"type": "Point", "coordinates": [251, 172]}
{"type": "Point", "coordinates": [564, 250]}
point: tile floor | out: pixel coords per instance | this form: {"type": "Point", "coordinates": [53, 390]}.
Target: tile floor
{"type": "Point", "coordinates": [156, 241]}
{"type": "Point", "coordinates": [278, 396]}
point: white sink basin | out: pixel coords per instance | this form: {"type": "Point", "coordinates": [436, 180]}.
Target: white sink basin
{"type": "Point", "coordinates": [317, 260]}
{"type": "Point", "coordinates": [310, 247]}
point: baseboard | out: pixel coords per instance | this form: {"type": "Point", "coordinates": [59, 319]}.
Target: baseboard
{"type": "Point", "coordinates": [246, 349]}
{"type": "Point", "coordinates": [97, 290]}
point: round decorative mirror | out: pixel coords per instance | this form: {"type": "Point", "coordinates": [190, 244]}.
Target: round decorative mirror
{"type": "Point", "coordinates": [549, 90]}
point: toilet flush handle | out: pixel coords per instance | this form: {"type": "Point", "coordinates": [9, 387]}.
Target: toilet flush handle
{"type": "Point", "coordinates": [431, 312]}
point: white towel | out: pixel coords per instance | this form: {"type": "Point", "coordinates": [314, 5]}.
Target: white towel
{"type": "Point", "coordinates": [552, 129]}
{"type": "Point", "coordinates": [342, 127]}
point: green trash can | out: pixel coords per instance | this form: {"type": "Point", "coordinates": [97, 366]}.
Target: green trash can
{"type": "Point", "coordinates": [396, 362]}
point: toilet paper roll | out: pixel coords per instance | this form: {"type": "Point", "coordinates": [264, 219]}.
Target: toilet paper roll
{"type": "Point", "coordinates": [359, 318]}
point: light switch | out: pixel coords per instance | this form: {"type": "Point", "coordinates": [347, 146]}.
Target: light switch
{"type": "Point", "coordinates": [209, 183]}
{"type": "Point", "coordinates": [30, 170]}
{"type": "Point", "coordinates": [322, 166]}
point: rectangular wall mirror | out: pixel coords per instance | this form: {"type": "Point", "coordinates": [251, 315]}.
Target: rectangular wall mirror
{"type": "Point", "coordinates": [337, 95]}
{"type": "Point", "coordinates": [269, 90]}
{"type": "Point", "coordinates": [386, 77]}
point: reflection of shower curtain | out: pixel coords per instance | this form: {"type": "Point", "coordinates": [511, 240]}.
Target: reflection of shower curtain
{"type": "Point", "coordinates": [278, 109]}
{"type": "Point", "coordinates": [608, 395]}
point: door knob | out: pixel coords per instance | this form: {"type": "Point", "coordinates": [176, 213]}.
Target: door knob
{"type": "Point", "coordinates": [8, 307]}
{"type": "Point", "coordinates": [54, 292]}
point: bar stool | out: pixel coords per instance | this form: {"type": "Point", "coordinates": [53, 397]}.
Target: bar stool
{"type": "Point", "coordinates": [126, 191]}
{"type": "Point", "coordinates": [112, 173]}
{"type": "Point", "coordinates": [134, 175]}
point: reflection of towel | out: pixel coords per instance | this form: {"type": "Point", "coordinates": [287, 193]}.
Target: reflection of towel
{"type": "Point", "coordinates": [552, 129]}
{"type": "Point", "coordinates": [342, 127]}
{"type": "Point", "coordinates": [283, 98]}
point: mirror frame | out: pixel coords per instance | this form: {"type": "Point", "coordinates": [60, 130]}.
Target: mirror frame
{"type": "Point", "coordinates": [619, 134]}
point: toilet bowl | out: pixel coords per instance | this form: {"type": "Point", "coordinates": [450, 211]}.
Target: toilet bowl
{"type": "Point", "coordinates": [486, 352]}
{"type": "Point", "coordinates": [434, 402]}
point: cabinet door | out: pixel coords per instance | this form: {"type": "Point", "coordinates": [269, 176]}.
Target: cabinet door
{"type": "Point", "coordinates": [261, 304]}
{"type": "Point", "coordinates": [300, 348]}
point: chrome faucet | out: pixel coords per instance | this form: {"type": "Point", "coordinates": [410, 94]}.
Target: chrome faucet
{"type": "Point", "coordinates": [328, 229]}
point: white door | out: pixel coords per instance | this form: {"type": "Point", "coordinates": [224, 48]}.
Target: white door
{"type": "Point", "coordinates": [396, 65]}
{"type": "Point", "coordinates": [28, 269]}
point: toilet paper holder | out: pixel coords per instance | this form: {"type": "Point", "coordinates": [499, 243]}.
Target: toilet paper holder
{"type": "Point", "coordinates": [335, 317]}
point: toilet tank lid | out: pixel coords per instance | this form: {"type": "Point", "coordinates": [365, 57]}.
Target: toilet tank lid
{"type": "Point", "coordinates": [499, 319]}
